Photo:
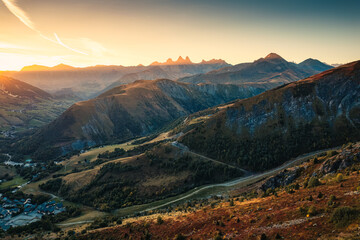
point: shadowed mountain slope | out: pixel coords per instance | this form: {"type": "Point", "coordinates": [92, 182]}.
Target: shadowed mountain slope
{"type": "Point", "coordinates": [264, 131]}
{"type": "Point", "coordinates": [133, 110]}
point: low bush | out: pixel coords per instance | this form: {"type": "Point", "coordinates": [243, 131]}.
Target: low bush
{"type": "Point", "coordinates": [343, 216]}
{"type": "Point", "coordinates": [159, 220]}
{"type": "Point", "coordinates": [312, 211]}
{"type": "Point", "coordinates": [339, 177]}
{"type": "Point", "coordinates": [313, 182]}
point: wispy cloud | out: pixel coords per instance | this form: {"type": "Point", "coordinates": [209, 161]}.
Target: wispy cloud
{"type": "Point", "coordinates": [66, 46]}
{"type": "Point", "coordinates": [22, 16]}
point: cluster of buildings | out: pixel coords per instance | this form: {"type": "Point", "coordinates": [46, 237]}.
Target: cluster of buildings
{"type": "Point", "coordinates": [21, 212]}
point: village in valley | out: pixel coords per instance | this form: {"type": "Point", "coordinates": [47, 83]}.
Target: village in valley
{"type": "Point", "coordinates": [19, 211]}
{"type": "Point", "coordinates": [14, 212]}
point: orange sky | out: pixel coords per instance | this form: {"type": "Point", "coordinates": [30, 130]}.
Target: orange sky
{"type": "Point", "coordinates": [82, 33]}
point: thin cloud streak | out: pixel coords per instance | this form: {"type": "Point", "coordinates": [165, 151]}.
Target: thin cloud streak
{"type": "Point", "coordinates": [66, 46]}
{"type": "Point", "coordinates": [22, 16]}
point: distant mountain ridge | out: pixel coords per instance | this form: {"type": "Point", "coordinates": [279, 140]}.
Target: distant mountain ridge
{"type": "Point", "coordinates": [59, 67]}
{"type": "Point", "coordinates": [88, 82]}
{"type": "Point", "coordinates": [187, 61]}
{"type": "Point", "coordinates": [273, 68]}
{"type": "Point", "coordinates": [167, 71]}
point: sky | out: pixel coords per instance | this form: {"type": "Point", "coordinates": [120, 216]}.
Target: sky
{"type": "Point", "coordinates": [131, 32]}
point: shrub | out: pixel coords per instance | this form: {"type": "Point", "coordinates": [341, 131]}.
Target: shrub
{"type": "Point", "coordinates": [303, 210]}
{"type": "Point", "coordinates": [313, 182]}
{"type": "Point", "coordinates": [320, 195]}
{"type": "Point", "coordinates": [309, 198]}
{"type": "Point", "coordinates": [180, 237]}
{"type": "Point", "coordinates": [331, 202]}
{"type": "Point", "coordinates": [312, 211]}
{"type": "Point", "coordinates": [339, 177]}
{"type": "Point", "coordinates": [331, 153]}
{"type": "Point", "coordinates": [218, 237]}
{"type": "Point", "coordinates": [263, 237]}
{"type": "Point", "coordinates": [306, 182]}
{"type": "Point", "coordinates": [343, 216]}
{"type": "Point", "coordinates": [159, 220]}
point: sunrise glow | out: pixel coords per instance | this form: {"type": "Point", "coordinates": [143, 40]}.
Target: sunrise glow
{"type": "Point", "coordinates": [140, 32]}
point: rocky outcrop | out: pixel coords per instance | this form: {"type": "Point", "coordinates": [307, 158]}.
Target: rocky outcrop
{"type": "Point", "coordinates": [344, 159]}
{"type": "Point", "coordinates": [282, 179]}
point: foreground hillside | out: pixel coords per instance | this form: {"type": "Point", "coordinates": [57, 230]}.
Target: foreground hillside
{"type": "Point", "coordinates": [24, 106]}
{"type": "Point", "coordinates": [271, 69]}
{"type": "Point", "coordinates": [132, 110]}
{"type": "Point", "coordinates": [315, 200]}
{"type": "Point", "coordinates": [266, 130]}
{"type": "Point", "coordinates": [119, 182]}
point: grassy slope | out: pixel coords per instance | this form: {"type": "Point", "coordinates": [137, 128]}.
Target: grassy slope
{"type": "Point", "coordinates": [249, 218]}
{"type": "Point", "coordinates": [17, 181]}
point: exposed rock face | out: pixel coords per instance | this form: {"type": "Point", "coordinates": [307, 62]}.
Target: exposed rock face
{"type": "Point", "coordinates": [134, 110]}
{"type": "Point", "coordinates": [341, 161]}
{"type": "Point", "coordinates": [268, 129]}
{"type": "Point", "coordinates": [282, 179]}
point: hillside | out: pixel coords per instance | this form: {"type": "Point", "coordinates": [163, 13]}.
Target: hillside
{"type": "Point", "coordinates": [14, 89]}
{"type": "Point", "coordinates": [272, 68]}
{"type": "Point", "coordinates": [313, 204]}
{"type": "Point", "coordinates": [141, 175]}
{"type": "Point", "coordinates": [24, 106]}
{"type": "Point", "coordinates": [132, 110]}
{"type": "Point", "coordinates": [264, 131]}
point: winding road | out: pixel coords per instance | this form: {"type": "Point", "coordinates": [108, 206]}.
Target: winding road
{"type": "Point", "coordinates": [244, 180]}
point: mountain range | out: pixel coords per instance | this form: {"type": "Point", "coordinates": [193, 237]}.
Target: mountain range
{"type": "Point", "coordinates": [89, 82]}
{"type": "Point", "coordinates": [144, 107]}
{"type": "Point", "coordinates": [273, 68]}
